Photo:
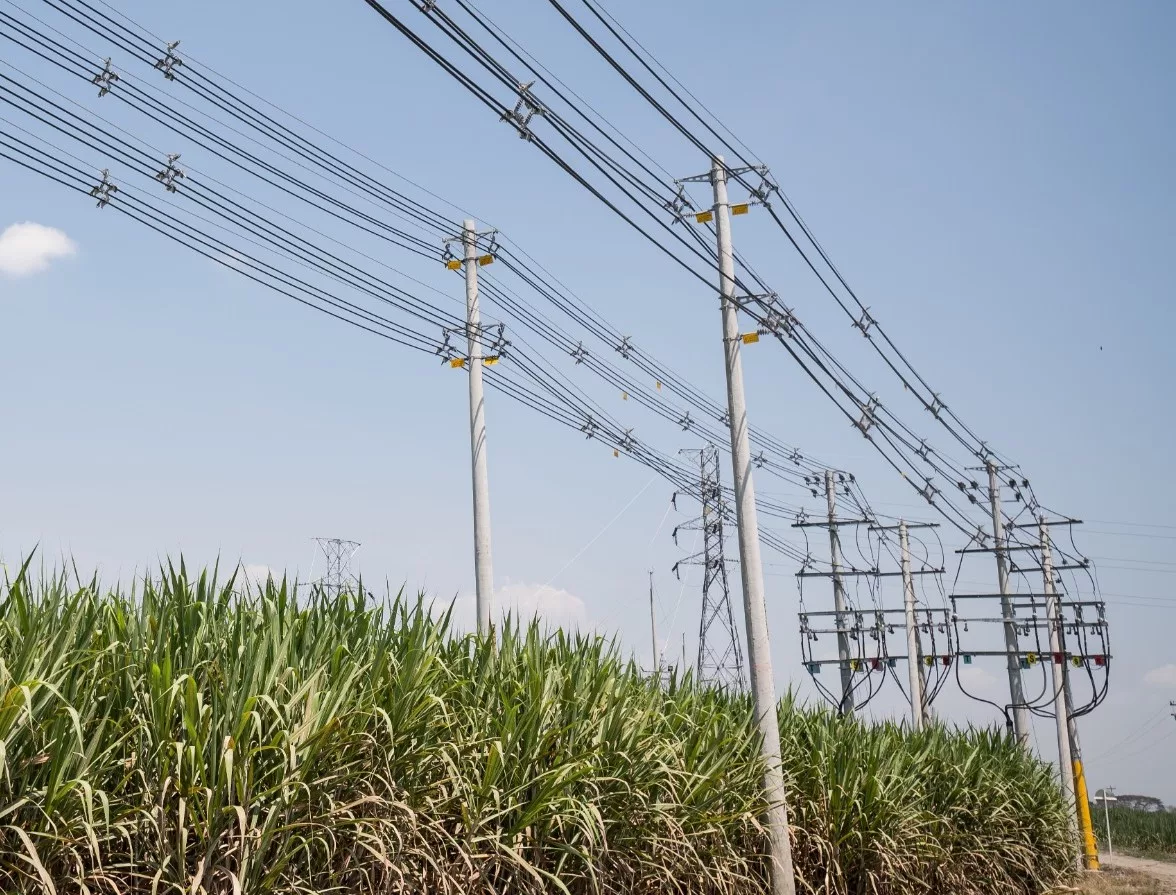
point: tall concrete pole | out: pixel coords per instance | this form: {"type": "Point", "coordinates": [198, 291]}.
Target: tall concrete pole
{"type": "Point", "coordinates": [483, 567]}
{"type": "Point", "coordinates": [914, 659]}
{"type": "Point", "coordinates": [1057, 665]}
{"type": "Point", "coordinates": [653, 630]}
{"type": "Point", "coordinates": [1081, 793]}
{"type": "Point", "coordinates": [759, 654]}
{"type": "Point", "coordinates": [1016, 686]}
{"type": "Point", "coordinates": [846, 706]}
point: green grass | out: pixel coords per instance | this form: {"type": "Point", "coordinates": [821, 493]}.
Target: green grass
{"type": "Point", "coordinates": [177, 737]}
{"type": "Point", "coordinates": [1151, 834]}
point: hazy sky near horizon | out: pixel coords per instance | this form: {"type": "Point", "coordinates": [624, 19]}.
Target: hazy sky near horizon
{"type": "Point", "coordinates": [995, 179]}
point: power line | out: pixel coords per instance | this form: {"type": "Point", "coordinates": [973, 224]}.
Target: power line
{"type": "Point", "coordinates": [895, 441]}
{"type": "Point", "coordinates": [1132, 524]}
{"type": "Point", "coordinates": [555, 406]}
{"type": "Point", "coordinates": [663, 375]}
{"type": "Point", "coordinates": [862, 320]}
{"type": "Point", "coordinates": [898, 443]}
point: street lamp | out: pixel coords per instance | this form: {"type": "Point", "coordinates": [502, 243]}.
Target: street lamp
{"type": "Point", "coordinates": [1107, 796]}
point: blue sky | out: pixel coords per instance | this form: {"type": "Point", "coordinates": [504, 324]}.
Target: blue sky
{"type": "Point", "coordinates": [994, 179]}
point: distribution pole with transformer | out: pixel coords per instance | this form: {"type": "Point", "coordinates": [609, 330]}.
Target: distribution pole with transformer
{"type": "Point", "coordinates": [1057, 667]}
{"type": "Point", "coordinates": [916, 619]}
{"type": "Point", "coordinates": [1046, 611]}
{"type": "Point", "coordinates": [847, 699]}
{"type": "Point", "coordinates": [1017, 702]}
{"type": "Point", "coordinates": [914, 653]}
{"type": "Point", "coordinates": [1081, 792]}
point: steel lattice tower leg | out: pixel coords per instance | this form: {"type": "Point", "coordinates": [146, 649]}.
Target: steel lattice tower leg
{"type": "Point", "coordinates": [720, 654]}
{"type": "Point", "coordinates": [338, 553]}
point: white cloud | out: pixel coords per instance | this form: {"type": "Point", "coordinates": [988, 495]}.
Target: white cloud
{"type": "Point", "coordinates": [976, 679]}
{"type": "Point", "coordinates": [234, 259]}
{"type": "Point", "coordinates": [826, 650]}
{"type": "Point", "coordinates": [1164, 676]}
{"type": "Point", "coordinates": [256, 575]}
{"type": "Point", "coordinates": [554, 607]}
{"type": "Point", "coordinates": [28, 248]}
{"type": "Point", "coordinates": [558, 608]}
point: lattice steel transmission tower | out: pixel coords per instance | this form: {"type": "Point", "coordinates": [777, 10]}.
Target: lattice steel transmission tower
{"type": "Point", "coordinates": [338, 576]}
{"type": "Point", "coordinates": [720, 656]}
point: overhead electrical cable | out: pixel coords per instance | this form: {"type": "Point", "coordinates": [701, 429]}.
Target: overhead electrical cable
{"type": "Point", "coordinates": [468, 45]}
{"type": "Point", "coordinates": [668, 379]}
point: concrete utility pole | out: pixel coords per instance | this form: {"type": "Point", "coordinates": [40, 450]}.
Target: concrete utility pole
{"type": "Point", "coordinates": [759, 653]}
{"type": "Point", "coordinates": [846, 706]}
{"type": "Point", "coordinates": [483, 567]}
{"type": "Point", "coordinates": [1058, 667]}
{"type": "Point", "coordinates": [1081, 793]}
{"type": "Point", "coordinates": [653, 629]}
{"type": "Point", "coordinates": [1016, 685]}
{"type": "Point", "coordinates": [914, 657]}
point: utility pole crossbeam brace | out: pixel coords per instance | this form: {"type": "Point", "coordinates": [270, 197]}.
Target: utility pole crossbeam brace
{"type": "Point", "coordinates": [483, 567]}
{"type": "Point", "coordinates": [1016, 685]}
{"type": "Point", "coordinates": [750, 567]}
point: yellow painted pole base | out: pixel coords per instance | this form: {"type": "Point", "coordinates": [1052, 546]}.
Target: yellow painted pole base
{"type": "Point", "coordinates": [1085, 828]}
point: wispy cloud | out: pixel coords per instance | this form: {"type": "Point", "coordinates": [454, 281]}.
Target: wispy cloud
{"type": "Point", "coordinates": [978, 679]}
{"type": "Point", "coordinates": [1164, 676]}
{"type": "Point", "coordinates": [30, 248]}
{"type": "Point", "coordinates": [559, 608]}
{"type": "Point", "coordinates": [255, 575]}
{"type": "Point", "coordinates": [234, 259]}
{"type": "Point", "coordinates": [552, 606]}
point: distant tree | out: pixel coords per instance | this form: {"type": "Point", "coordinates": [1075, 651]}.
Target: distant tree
{"type": "Point", "coordinates": [1150, 804]}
